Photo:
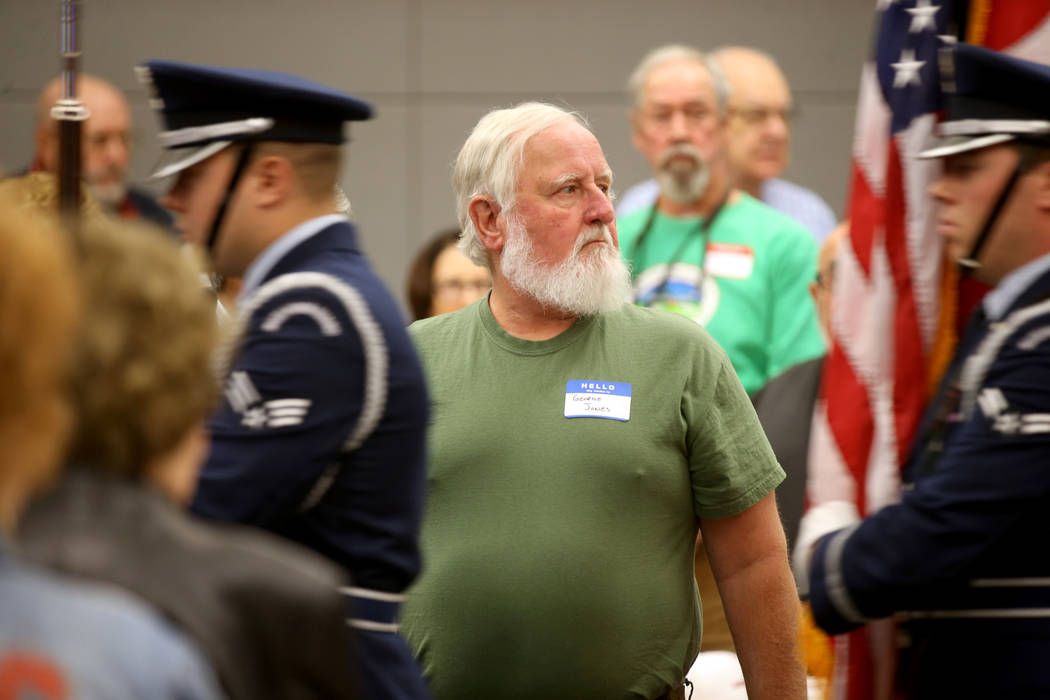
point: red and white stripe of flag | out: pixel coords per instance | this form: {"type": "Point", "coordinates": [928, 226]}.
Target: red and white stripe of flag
{"type": "Point", "coordinates": [884, 321]}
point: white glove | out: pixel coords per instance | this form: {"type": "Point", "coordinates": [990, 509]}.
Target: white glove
{"type": "Point", "coordinates": [818, 522]}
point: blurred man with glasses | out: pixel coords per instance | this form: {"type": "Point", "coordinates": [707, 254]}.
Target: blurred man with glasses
{"type": "Point", "coordinates": [106, 143]}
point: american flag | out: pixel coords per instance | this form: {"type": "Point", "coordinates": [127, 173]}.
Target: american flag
{"type": "Point", "coordinates": [894, 296]}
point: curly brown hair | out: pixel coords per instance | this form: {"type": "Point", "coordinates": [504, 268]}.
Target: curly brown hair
{"type": "Point", "coordinates": [36, 195]}
{"type": "Point", "coordinates": [143, 369]}
{"type": "Point", "coordinates": [38, 319]}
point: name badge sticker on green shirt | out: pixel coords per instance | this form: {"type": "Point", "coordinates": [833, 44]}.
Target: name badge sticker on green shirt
{"type": "Point", "coordinates": [735, 262]}
{"type": "Point", "coordinates": [590, 398]}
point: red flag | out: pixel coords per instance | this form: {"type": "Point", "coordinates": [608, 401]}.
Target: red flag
{"type": "Point", "coordinates": [887, 304]}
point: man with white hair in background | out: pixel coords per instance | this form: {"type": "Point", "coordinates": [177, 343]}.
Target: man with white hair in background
{"type": "Point", "coordinates": [106, 143]}
{"type": "Point", "coordinates": [577, 443]}
{"type": "Point", "coordinates": [758, 142]}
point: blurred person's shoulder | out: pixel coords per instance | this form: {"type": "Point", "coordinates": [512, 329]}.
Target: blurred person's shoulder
{"type": "Point", "coordinates": [96, 640]}
{"type": "Point", "coordinates": [269, 561]}
{"type": "Point", "coordinates": [801, 204]}
{"type": "Point", "coordinates": [651, 327]}
{"type": "Point", "coordinates": [446, 327]}
{"type": "Point", "coordinates": [763, 224]}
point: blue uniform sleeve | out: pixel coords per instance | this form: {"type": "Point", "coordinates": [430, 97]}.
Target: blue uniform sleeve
{"type": "Point", "coordinates": [988, 487]}
{"type": "Point", "coordinates": [291, 399]}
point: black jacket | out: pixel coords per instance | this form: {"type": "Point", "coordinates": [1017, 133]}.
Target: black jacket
{"type": "Point", "coordinates": [267, 613]}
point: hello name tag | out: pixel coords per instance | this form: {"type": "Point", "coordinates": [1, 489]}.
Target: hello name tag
{"type": "Point", "coordinates": [589, 398]}
{"type": "Point", "coordinates": [729, 261]}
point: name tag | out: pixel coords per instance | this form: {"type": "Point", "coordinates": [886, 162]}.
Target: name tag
{"type": "Point", "coordinates": [589, 398]}
{"type": "Point", "coordinates": [729, 261]}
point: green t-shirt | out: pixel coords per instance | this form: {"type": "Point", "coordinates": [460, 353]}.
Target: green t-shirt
{"type": "Point", "coordinates": [749, 288]}
{"type": "Point", "coordinates": [559, 551]}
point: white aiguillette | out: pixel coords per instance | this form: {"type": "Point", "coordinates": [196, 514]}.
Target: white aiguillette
{"type": "Point", "coordinates": [591, 398]}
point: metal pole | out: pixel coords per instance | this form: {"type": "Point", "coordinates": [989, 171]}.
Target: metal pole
{"type": "Point", "coordinates": [69, 112]}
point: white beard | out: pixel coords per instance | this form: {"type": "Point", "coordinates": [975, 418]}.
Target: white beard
{"type": "Point", "coordinates": [680, 182]}
{"type": "Point", "coordinates": [579, 285]}
{"type": "Point", "coordinates": [109, 196]}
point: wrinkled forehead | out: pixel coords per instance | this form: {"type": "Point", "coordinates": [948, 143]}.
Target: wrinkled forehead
{"type": "Point", "coordinates": [773, 94]}
{"type": "Point", "coordinates": [561, 150]}
{"type": "Point", "coordinates": [755, 78]}
{"type": "Point", "coordinates": [677, 82]}
{"type": "Point", "coordinates": [104, 104]}
{"type": "Point", "coordinates": [108, 122]}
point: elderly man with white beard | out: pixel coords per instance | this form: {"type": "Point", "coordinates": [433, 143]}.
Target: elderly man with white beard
{"type": "Point", "coordinates": [578, 443]}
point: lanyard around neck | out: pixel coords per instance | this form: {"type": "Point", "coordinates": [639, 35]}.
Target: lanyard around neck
{"type": "Point", "coordinates": [703, 229]}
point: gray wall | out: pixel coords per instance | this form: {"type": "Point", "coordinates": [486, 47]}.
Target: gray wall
{"type": "Point", "coordinates": [433, 68]}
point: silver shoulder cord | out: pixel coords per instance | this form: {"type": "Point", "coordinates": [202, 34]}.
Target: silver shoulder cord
{"type": "Point", "coordinates": [976, 367]}
{"type": "Point", "coordinates": [373, 343]}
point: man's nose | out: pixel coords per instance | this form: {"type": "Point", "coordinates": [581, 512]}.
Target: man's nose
{"type": "Point", "coordinates": [775, 126]}
{"type": "Point", "coordinates": [602, 211]}
{"type": "Point", "coordinates": [937, 189]}
{"type": "Point", "coordinates": [679, 127]}
{"type": "Point", "coordinates": [117, 151]}
{"type": "Point", "coordinates": [110, 148]}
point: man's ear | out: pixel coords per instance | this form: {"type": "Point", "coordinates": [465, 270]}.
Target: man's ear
{"type": "Point", "coordinates": [634, 116]}
{"type": "Point", "coordinates": [273, 178]}
{"type": "Point", "coordinates": [46, 155]}
{"type": "Point", "coordinates": [485, 214]}
{"type": "Point", "coordinates": [1042, 189]}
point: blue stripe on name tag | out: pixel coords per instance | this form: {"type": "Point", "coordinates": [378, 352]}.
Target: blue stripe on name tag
{"type": "Point", "coordinates": [593, 386]}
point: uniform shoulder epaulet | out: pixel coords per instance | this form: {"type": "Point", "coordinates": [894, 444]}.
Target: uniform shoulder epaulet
{"type": "Point", "coordinates": [976, 367]}
{"type": "Point", "coordinates": [373, 343]}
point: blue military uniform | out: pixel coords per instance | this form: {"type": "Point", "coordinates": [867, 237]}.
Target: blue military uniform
{"type": "Point", "coordinates": [321, 433]}
{"type": "Point", "coordinates": [962, 559]}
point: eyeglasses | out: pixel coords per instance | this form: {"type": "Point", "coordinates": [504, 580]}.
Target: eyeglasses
{"type": "Point", "coordinates": [759, 115]}
{"type": "Point", "coordinates": [457, 288]}
{"type": "Point", "coordinates": [100, 141]}
{"type": "Point", "coordinates": [824, 279]}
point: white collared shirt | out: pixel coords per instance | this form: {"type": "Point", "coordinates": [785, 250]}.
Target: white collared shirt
{"type": "Point", "coordinates": [997, 301]}
{"type": "Point", "coordinates": [273, 253]}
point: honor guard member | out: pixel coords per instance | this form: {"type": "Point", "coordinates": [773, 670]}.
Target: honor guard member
{"type": "Point", "coordinates": [962, 559]}
{"type": "Point", "coordinates": [320, 436]}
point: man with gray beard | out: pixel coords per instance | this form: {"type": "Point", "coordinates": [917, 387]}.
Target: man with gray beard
{"type": "Point", "coordinates": [578, 443]}
{"type": "Point", "coordinates": [707, 251]}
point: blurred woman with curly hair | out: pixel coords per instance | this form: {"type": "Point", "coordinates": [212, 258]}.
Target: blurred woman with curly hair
{"type": "Point", "coordinates": [142, 384]}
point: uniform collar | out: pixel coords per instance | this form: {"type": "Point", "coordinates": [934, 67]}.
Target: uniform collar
{"type": "Point", "coordinates": [262, 265]}
{"type": "Point", "coordinates": [998, 301]}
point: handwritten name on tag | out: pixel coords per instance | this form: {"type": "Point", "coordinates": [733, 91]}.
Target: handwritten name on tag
{"type": "Point", "coordinates": [590, 398]}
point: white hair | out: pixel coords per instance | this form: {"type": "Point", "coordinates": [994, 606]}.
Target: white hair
{"type": "Point", "coordinates": [490, 160]}
{"type": "Point", "coordinates": [674, 53]}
